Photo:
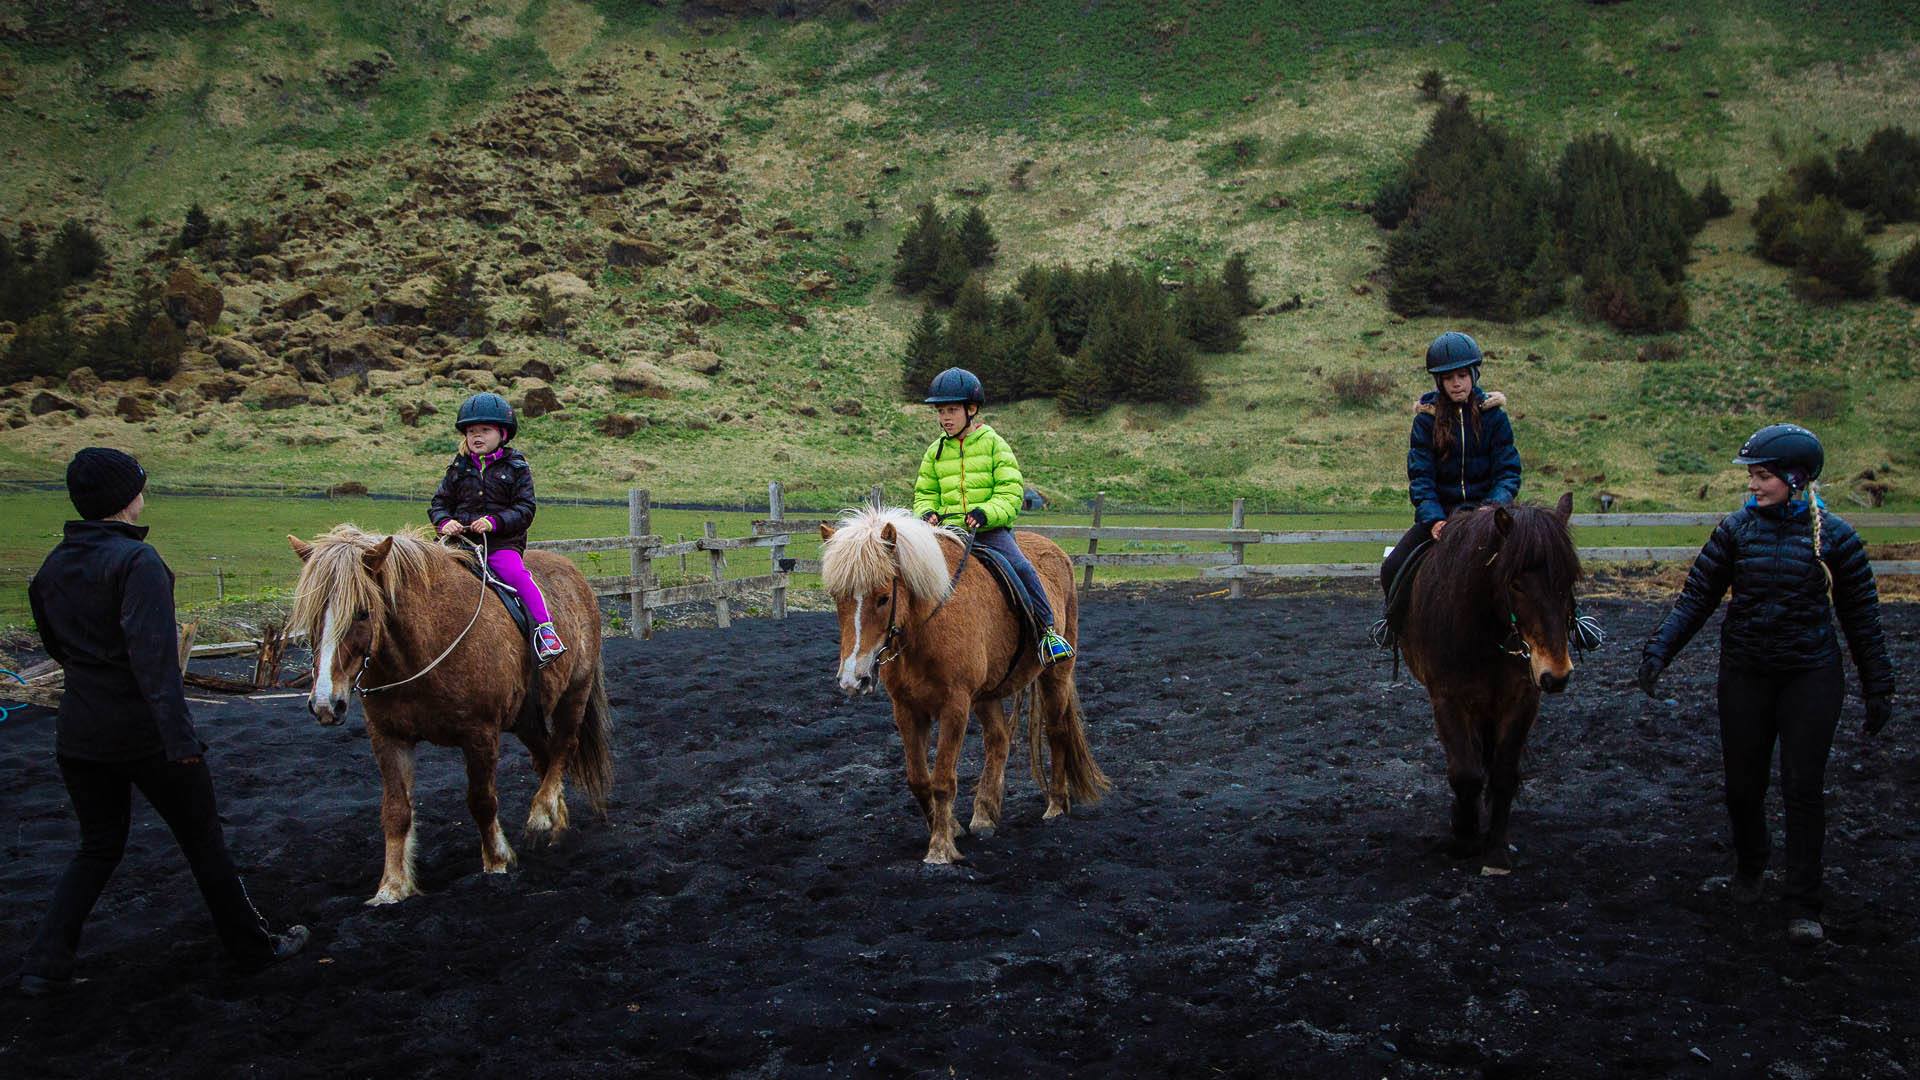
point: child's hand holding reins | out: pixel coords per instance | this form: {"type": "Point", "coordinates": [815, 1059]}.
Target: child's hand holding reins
{"type": "Point", "coordinates": [482, 525]}
{"type": "Point", "coordinates": [451, 526]}
{"type": "Point", "coordinates": [976, 519]}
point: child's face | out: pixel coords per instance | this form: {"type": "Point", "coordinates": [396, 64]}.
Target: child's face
{"type": "Point", "coordinates": [1457, 384]}
{"type": "Point", "coordinates": [953, 418]}
{"type": "Point", "coordinates": [1766, 488]}
{"type": "Point", "coordinates": [483, 438]}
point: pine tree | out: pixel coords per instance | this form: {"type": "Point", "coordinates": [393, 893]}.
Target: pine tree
{"type": "Point", "coordinates": [1714, 201]}
{"type": "Point", "coordinates": [926, 354]}
{"type": "Point", "coordinates": [951, 269]}
{"type": "Point", "coordinates": [1903, 274]}
{"type": "Point", "coordinates": [918, 255]}
{"type": "Point", "coordinates": [977, 241]}
{"type": "Point", "coordinates": [1238, 279]}
{"type": "Point", "coordinates": [1083, 390]}
{"type": "Point", "coordinates": [77, 251]}
{"type": "Point", "coordinates": [1042, 369]}
{"type": "Point", "coordinates": [455, 305]}
{"type": "Point", "coordinates": [971, 333]}
{"type": "Point", "coordinates": [45, 345]}
{"type": "Point", "coordinates": [196, 227]}
{"type": "Point", "coordinates": [1207, 316]}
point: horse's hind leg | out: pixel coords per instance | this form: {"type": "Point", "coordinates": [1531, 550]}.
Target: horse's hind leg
{"type": "Point", "coordinates": [1503, 783]}
{"type": "Point", "coordinates": [997, 730]}
{"type": "Point", "coordinates": [946, 783]}
{"type": "Point", "coordinates": [483, 801]}
{"type": "Point", "coordinates": [547, 818]}
{"type": "Point", "coordinates": [396, 818]}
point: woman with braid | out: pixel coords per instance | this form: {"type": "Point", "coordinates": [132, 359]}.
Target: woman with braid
{"type": "Point", "coordinates": [1791, 565]}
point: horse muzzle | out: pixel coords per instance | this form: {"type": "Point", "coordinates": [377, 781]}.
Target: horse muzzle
{"type": "Point", "coordinates": [856, 676]}
{"type": "Point", "coordinates": [329, 714]}
{"type": "Point", "coordinates": [1553, 684]}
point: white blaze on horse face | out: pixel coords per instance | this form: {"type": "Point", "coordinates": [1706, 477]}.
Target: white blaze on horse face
{"type": "Point", "coordinates": [321, 700]}
{"type": "Point", "coordinates": [856, 665]}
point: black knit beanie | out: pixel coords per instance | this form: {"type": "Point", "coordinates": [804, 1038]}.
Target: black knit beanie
{"type": "Point", "coordinates": [101, 482]}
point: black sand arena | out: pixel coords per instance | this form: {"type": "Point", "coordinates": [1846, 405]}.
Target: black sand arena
{"type": "Point", "coordinates": [1264, 893]}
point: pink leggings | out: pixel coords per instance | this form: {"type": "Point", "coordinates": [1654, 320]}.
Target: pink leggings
{"type": "Point", "coordinates": [510, 568]}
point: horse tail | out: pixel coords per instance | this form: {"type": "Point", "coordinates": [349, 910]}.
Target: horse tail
{"type": "Point", "coordinates": [1085, 782]}
{"type": "Point", "coordinates": [592, 763]}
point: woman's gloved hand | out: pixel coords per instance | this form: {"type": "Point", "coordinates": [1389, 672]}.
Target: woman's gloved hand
{"type": "Point", "coordinates": [1879, 711]}
{"type": "Point", "coordinates": [1649, 675]}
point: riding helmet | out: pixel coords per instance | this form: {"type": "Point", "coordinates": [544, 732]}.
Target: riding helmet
{"type": "Point", "coordinates": [956, 386]}
{"type": "Point", "coordinates": [1452, 351]}
{"type": "Point", "coordinates": [1785, 448]}
{"type": "Point", "coordinates": [488, 409]}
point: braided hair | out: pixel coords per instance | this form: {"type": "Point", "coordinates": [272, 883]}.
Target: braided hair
{"type": "Point", "coordinates": [1817, 510]}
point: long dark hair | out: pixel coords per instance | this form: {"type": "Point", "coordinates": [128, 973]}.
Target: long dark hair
{"type": "Point", "coordinates": [1446, 418]}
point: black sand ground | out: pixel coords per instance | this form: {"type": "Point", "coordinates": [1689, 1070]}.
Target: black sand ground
{"type": "Point", "coordinates": [1263, 893]}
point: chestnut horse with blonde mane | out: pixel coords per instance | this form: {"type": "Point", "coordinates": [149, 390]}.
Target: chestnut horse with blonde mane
{"type": "Point", "coordinates": [1487, 632]}
{"type": "Point", "coordinates": [388, 612]}
{"type": "Point", "coordinates": [934, 628]}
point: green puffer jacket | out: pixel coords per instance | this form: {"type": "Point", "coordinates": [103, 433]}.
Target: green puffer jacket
{"type": "Point", "coordinates": [977, 471]}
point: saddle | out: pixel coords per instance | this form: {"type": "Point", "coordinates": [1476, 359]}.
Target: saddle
{"type": "Point", "coordinates": [1015, 592]}
{"type": "Point", "coordinates": [1400, 593]}
{"type": "Point", "coordinates": [532, 717]}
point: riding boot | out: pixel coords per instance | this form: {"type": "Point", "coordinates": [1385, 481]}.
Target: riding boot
{"type": "Point", "coordinates": [547, 645]}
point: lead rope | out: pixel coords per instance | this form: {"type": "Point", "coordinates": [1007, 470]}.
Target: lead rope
{"type": "Point", "coordinates": [486, 582]}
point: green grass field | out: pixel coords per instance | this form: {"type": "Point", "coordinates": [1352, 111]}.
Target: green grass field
{"type": "Point", "coordinates": [243, 540]}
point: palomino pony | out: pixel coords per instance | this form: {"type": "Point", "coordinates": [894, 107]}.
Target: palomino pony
{"type": "Point", "coordinates": [1488, 630]}
{"type": "Point", "coordinates": [940, 636]}
{"type": "Point", "coordinates": [388, 612]}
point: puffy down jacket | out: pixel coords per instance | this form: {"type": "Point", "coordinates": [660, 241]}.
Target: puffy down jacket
{"type": "Point", "coordinates": [974, 472]}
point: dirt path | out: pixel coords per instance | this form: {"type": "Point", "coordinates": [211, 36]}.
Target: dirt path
{"type": "Point", "coordinates": [1263, 893]}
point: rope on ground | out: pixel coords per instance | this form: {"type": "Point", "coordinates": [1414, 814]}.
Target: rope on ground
{"type": "Point", "coordinates": [7, 710]}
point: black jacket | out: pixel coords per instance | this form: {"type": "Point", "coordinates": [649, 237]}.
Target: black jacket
{"type": "Point", "coordinates": [103, 602]}
{"type": "Point", "coordinates": [504, 492]}
{"type": "Point", "coordinates": [1780, 617]}
{"type": "Point", "coordinates": [1483, 469]}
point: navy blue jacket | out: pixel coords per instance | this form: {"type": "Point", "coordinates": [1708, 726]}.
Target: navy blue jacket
{"type": "Point", "coordinates": [103, 602]}
{"type": "Point", "coordinates": [1482, 469]}
{"type": "Point", "coordinates": [502, 490]}
{"type": "Point", "coordinates": [1780, 617]}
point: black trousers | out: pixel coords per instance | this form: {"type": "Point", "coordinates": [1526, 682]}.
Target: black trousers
{"type": "Point", "coordinates": [1799, 710]}
{"type": "Point", "coordinates": [1400, 553]}
{"type": "Point", "coordinates": [102, 794]}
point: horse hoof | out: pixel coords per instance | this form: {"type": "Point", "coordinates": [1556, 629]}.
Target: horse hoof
{"type": "Point", "coordinates": [383, 898]}
{"type": "Point", "coordinates": [1053, 811]}
{"type": "Point", "coordinates": [981, 829]}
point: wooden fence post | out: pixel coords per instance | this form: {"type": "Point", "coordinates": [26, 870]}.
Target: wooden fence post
{"type": "Point", "coordinates": [1236, 587]}
{"type": "Point", "coordinates": [875, 497]}
{"type": "Point", "coordinates": [640, 563]}
{"type": "Point", "coordinates": [722, 612]}
{"type": "Point", "coordinates": [777, 514]}
{"type": "Point", "coordinates": [1093, 544]}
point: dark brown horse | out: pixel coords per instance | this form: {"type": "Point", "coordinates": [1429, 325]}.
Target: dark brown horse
{"type": "Point", "coordinates": [942, 640]}
{"type": "Point", "coordinates": [1487, 631]}
{"type": "Point", "coordinates": [385, 616]}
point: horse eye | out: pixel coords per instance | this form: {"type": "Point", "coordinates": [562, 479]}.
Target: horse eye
{"type": "Point", "coordinates": [360, 617]}
{"type": "Point", "coordinates": [882, 602]}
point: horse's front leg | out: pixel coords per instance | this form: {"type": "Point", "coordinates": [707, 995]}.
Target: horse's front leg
{"type": "Point", "coordinates": [913, 744]}
{"type": "Point", "coordinates": [1466, 771]}
{"type": "Point", "coordinates": [395, 759]}
{"type": "Point", "coordinates": [1503, 780]}
{"type": "Point", "coordinates": [946, 782]}
{"type": "Point", "coordinates": [483, 801]}
{"type": "Point", "coordinates": [997, 730]}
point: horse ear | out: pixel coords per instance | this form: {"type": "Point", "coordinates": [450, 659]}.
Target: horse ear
{"type": "Point", "coordinates": [377, 558]}
{"type": "Point", "coordinates": [826, 531]}
{"type": "Point", "coordinates": [1502, 520]}
{"type": "Point", "coordinates": [1565, 506]}
{"type": "Point", "coordinates": [889, 533]}
{"type": "Point", "coordinates": [300, 547]}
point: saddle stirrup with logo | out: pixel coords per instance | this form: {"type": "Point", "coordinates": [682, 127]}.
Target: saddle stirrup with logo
{"type": "Point", "coordinates": [547, 645]}
{"type": "Point", "coordinates": [1053, 647]}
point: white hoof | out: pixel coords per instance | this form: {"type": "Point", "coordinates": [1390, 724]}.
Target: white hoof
{"type": "Point", "coordinates": [1494, 871]}
{"type": "Point", "coordinates": [385, 897]}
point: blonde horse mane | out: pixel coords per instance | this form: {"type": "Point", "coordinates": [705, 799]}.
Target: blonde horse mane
{"type": "Point", "coordinates": [857, 559]}
{"type": "Point", "coordinates": [335, 578]}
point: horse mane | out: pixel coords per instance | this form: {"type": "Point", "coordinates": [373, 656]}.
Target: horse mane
{"type": "Point", "coordinates": [857, 559]}
{"type": "Point", "coordinates": [334, 577]}
{"type": "Point", "coordinates": [1536, 539]}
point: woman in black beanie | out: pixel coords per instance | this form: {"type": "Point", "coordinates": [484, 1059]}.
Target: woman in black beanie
{"type": "Point", "coordinates": [103, 603]}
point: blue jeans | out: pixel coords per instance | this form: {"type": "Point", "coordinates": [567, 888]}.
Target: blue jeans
{"type": "Point", "coordinates": [1001, 540]}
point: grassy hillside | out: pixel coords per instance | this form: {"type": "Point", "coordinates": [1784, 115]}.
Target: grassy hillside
{"type": "Point", "coordinates": [1168, 134]}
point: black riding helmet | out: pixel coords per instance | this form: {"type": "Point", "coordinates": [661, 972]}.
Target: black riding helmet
{"type": "Point", "coordinates": [956, 386]}
{"type": "Point", "coordinates": [488, 409]}
{"type": "Point", "coordinates": [1785, 448]}
{"type": "Point", "coordinates": [1452, 351]}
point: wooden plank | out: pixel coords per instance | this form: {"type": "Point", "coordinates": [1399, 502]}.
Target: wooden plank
{"type": "Point", "coordinates": [1639, 554]}
{"type": "Point", "coordinates": [723, 543]}
{"type": "Point", "coordinates": [1095, 533]}
{"type": "Point", "coordinates": [1892, 567]}
{"type": "Point", "coordinates": [1156, 558]}
{"type": "Point", "coordinates": [1712, 518]}
{"type": "Point", "coordinates": [1235, 590]}
{"type": "Point", "coordinates": [598, 543]}
{"type": "Point", "coordinates": [776, 510]}
{"type": "Point", "coordinates": [1294, 570]}
{"type": "Point", "coordinates": [722, 613]}
{"type": "Point", "coordinates": [1333, 536]}
{"type": "Point", "coordinates": [803, 566]}
{"type": "Point", "coordinates": [1093, 537]}
{"type": "Point", "coordinates": [708, 590]}
{"type": "Point", "coordinates": [791, 526]}
{"type": "Point", "coordinates": [44, 696]}
{"type": "Point", "coordinates": [639, 563]}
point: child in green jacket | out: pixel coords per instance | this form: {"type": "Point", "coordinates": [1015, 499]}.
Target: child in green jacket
{"type": "Point", "coordinates": [970, 479]}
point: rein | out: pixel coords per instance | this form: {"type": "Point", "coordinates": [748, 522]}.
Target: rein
{"type": "Point", "coordinates": [486, 581]}
{"type": "Point", "coordinates": [889, 650]}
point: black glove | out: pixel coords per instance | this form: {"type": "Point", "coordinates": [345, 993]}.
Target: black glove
{"type": "Point", "coordinates": [976, 519]}
{"type": "Point", "coordinates": [1649, 675]}
{"type": "Point", "coordinates": [931, 517]}
{"type": "Point", "coordinates": [1879, 711]}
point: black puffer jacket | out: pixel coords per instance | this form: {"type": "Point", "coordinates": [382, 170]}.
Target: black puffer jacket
{"type": "Point", "coordinates": [1780, 617]}
{"type": "Point", "coordinates": [502, 491]}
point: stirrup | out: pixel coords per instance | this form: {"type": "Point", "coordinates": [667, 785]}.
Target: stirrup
{"type": "Point", "coordinates": [1054, 648]}
{"type": "Point", "coordinates": [1382, 635]}
{"type": "Point", "coordinates": [1587, 634]}
{"type": "Point", "coordinates": [547, 646]}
